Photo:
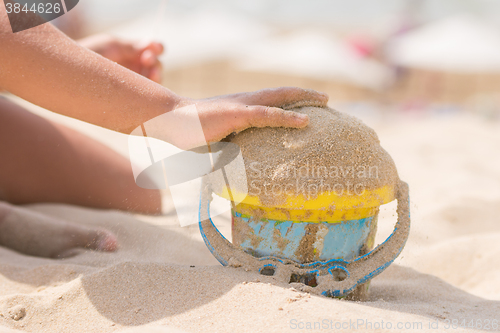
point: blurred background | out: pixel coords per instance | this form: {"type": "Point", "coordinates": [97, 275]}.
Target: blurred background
{"type": "Point", "coordinates": [417, 57]}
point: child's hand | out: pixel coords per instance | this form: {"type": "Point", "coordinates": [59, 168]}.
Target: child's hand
{"type": "Point", "coordinates": [138, 57]}
{"type": "Point", "coordinates": [223, 115]}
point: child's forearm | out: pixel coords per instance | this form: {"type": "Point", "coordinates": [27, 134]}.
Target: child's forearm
{"type": "Point", "coordinates": [47, 68]}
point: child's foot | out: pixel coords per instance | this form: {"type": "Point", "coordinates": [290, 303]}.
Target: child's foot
{"type": "Point", "coordinates": [39, 235]}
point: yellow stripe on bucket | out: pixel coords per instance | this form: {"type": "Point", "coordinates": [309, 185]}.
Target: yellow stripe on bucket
{"type": "Point", "coordinates": [325, 200]}
{"type": "Point", "coordinates": [304, 215]}
{"type": "Point", "coordinates": [326, 207]}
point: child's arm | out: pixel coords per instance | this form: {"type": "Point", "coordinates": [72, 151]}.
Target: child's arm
{"type": "Point", "coordinates": [137, 56]}
{"type": "Point", "coordinates": [47, 68]}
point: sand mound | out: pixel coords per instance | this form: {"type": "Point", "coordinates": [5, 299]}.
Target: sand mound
{"type": "Point", "coordinates": [335, 153]}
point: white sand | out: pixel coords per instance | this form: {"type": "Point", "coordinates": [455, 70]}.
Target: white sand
{"type": "Point", "coordinates": [450, 268]}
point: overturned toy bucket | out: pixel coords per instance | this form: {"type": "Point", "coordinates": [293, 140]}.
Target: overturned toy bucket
{"type": "Point", "coordinates": [337, 277]}
{"type": "Point", "coordinates": [322, 242]}
{"type": "Point", "coordinates": [310, 233]}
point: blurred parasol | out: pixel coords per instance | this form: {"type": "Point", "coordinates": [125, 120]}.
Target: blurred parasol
{"type": "Point", "coordinates": [457, 44]}
{"type": "Point", "coordinates": [316, 55]}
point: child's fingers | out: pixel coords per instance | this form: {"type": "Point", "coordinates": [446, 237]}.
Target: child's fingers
{"type": "Point", "coordinates": [126, 50]}
{"type": "Point", "coordinates": [154, 47]}
{"type": "Point", "coordinates": [151, 66]}
{"type": "Point", "coordinates": [148, 59]}
{"type": "Point", "coordinates": [286, 96]}
{"type": "Point", "coordinates": [263, 116]}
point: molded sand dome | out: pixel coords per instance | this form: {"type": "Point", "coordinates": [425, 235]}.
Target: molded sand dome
{"type": "Point", "coordinates": [336, 162]}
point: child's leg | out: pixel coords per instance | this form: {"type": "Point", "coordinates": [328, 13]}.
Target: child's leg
{"type": "Point", "coordinates": [39, 235]}
{"type": "Point", "coordinates": [42, 161]}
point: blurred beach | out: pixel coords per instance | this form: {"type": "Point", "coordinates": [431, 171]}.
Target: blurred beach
{"type": "Point", "coordinates": [369, 56]}
{"type": "Point", "coordinates": [424, 74]}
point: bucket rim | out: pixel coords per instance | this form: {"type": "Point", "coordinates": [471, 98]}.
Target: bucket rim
{"type": "Point", "coordinates": [323, 201]}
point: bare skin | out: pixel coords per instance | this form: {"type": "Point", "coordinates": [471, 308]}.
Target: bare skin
{"type": "Point", "coordinates": [47, 162]}
{"type": "Point", "coordinates": [44, 236]}
{"type": "Point", "coordinates": [139, 57]}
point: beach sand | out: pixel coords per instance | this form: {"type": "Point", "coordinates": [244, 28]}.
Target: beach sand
{"type": "Point", "coordinates": [163, 279]}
